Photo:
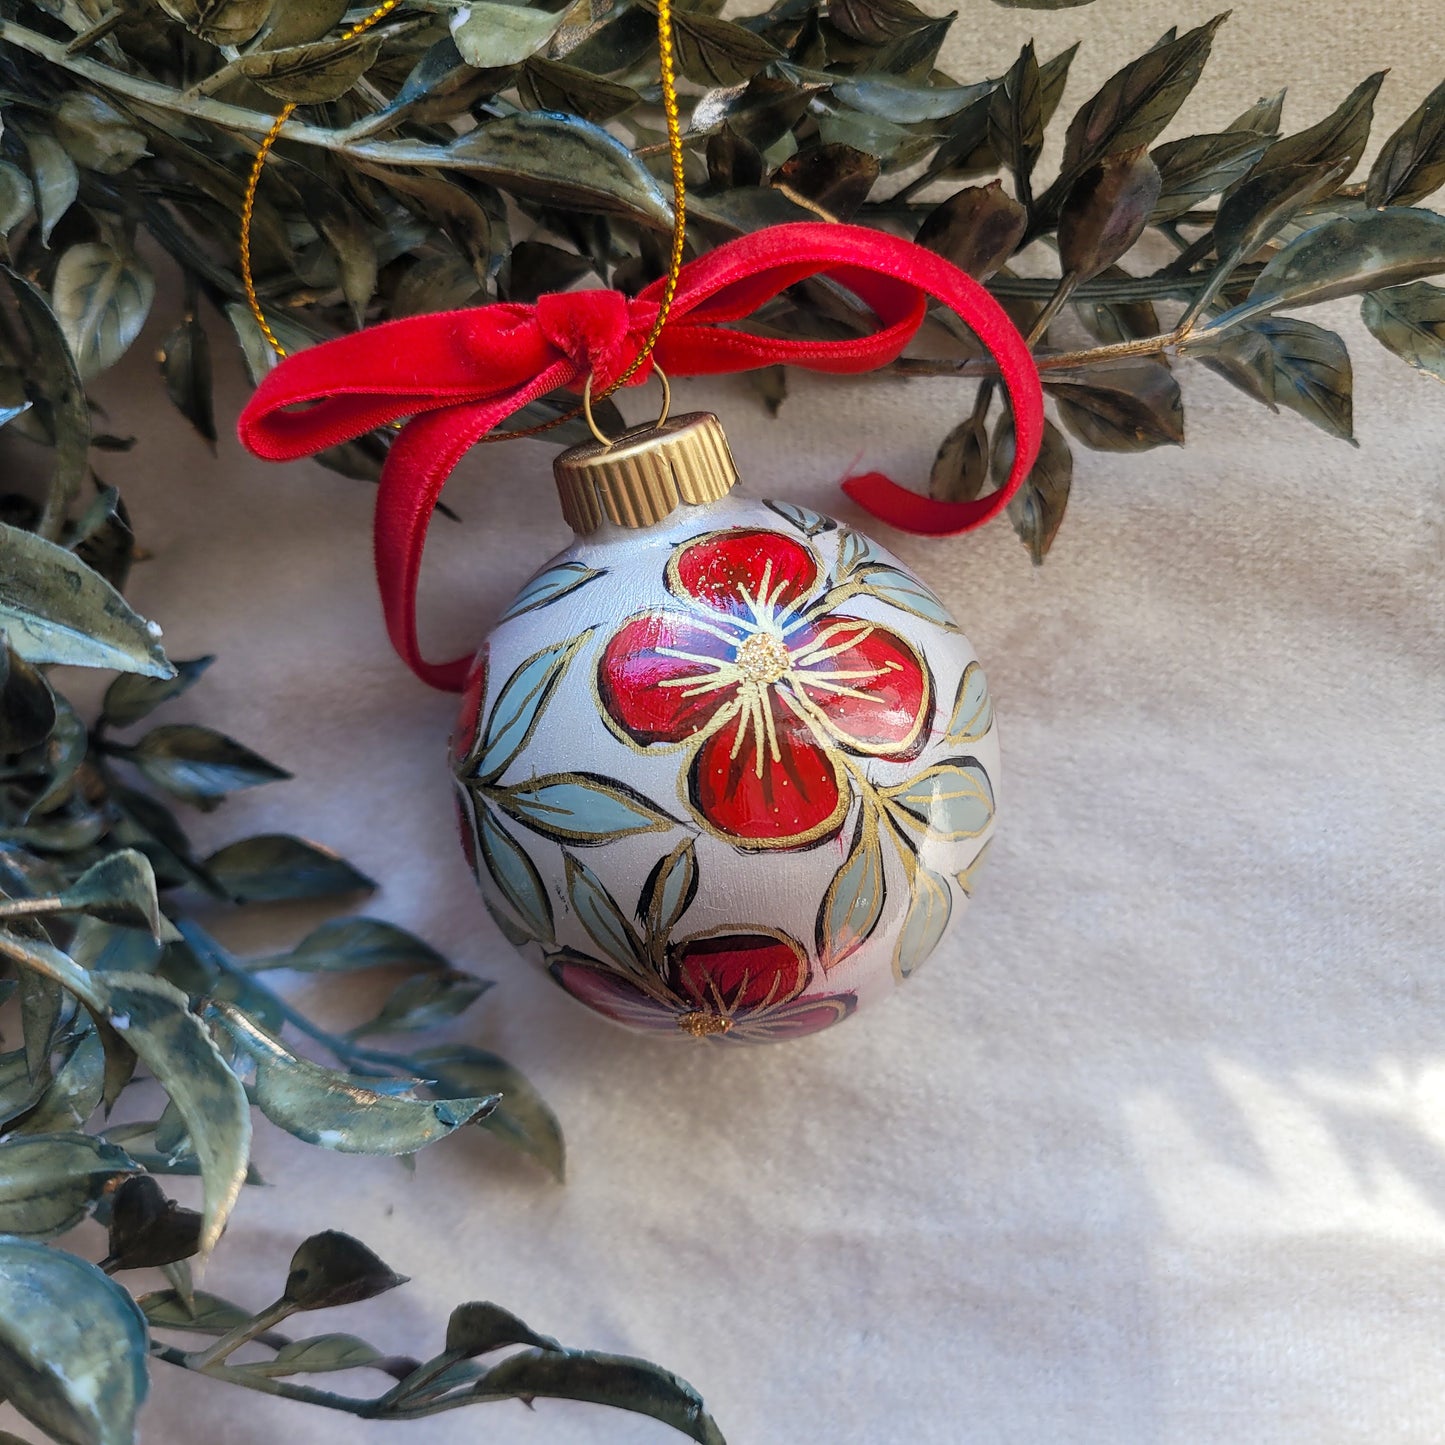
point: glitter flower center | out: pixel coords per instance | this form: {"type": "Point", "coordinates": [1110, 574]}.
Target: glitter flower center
{"type": "Point", "coordinates": [763, 659]}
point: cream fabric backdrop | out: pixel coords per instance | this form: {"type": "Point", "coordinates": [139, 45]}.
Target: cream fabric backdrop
{"type": "Point", "coordinates": [1155, 1152]}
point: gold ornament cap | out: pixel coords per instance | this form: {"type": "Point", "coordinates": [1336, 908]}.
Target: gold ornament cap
{"type": "Point", "coordinates": [646, 473]}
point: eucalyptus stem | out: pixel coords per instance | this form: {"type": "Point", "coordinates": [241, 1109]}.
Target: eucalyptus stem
{"type": "Point", "coordinates": [206, 1360]}
{"type": "Point", "coordinates": [265, 1385]}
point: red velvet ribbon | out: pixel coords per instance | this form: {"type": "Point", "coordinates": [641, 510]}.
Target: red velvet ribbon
{"type": "Point", "coordinates": [459, 374]}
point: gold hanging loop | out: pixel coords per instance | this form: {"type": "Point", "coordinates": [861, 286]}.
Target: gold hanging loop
{"type": "Point", "coordinates": [591, 420]}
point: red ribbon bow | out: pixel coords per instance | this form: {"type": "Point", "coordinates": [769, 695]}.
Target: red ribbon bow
{"type": "Point", "coordinates": [459, 374]}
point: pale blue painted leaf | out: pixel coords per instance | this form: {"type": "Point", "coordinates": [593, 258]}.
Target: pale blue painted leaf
{"type": "Point", "coordinates": [600, 915]}
{"type": "Point", "coordinates": [952, 800]}
{"type": "Point", "coordinates": [854, 901]}
{"type": "Point", "coordinates": [514, 873]}
{"type": "Point", "coordinates": [854, 550]}
{"type": "Point", "coordinates": [925, 923]}
{"type": "Point", "coordinates": [803, 518]}
{"type": "Point", "coordinates": [549, 586]}
{"type": "Point", "coordinates": [581, 808]}
{"type": "Point", "coordinates": [521, 702]}
{"type": "Point", "coordinates": [900, 590]}
{"type": "Point", "coordinates": [669, 890]}
{"type": "Point", "coordinates": [972, 713]}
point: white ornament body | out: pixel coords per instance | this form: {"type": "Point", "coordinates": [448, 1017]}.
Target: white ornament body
{"type": "Point", "coordinates": [728, 775]}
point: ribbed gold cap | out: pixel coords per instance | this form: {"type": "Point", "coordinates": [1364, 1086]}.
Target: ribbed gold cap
{"type": "Point", "coordinates": [646, 473]}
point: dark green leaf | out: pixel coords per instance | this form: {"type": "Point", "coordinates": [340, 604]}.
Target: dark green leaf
{"type": "Point", "coordinates": [1115, 321]}
{"type": "Point", "coordinates": [310, 74]}
{"type": "Point", "coordinates": [1136, 103]}
{"type": "Point", "coordinates": [1105, 212]}
{"type": "Point", "coordinates": [297, 21]}
{"type": "Point", "coordinates": [1016, 114]}
{"type": "Point", "coordinates": [876, 21]}
{"type": "Point", "coordinates": [835, 178]}
{"type": "Point", "coordinates": [535, 267]}
{"type": "Point", "coordinates": [103, 538]}
{"type": "Point", "coordinates": [898, 100]}
{"type": "Point", "coordinates": [977, 228]}
{"type": "Point", "coordinates": [491, 35]}
{"type": "Point", "coordinates": [1283, 361]}
{"type": "Point", "coordinates": [1262, 117]}
{"type": "Point", "coordinates": [275, 867]}
{"type": "Point", "coordinates": [770, 383]}
{"type": "Point", "coordinates": [894, 145]}
{"type": "Point", "coordinates": [558, 159]}
{"type": "Point", "coordinates": [56, 180]}
{"type": "Point", "coordinates": [331, 1269]}
{"type": "Point", "coordinates": [424, 1002]}
{"type": "Point", "coordinates": [27, 706]}
{"type": "Point", "coordinates": [155, 1020]}
{"type": "Point", "coordinates": [205, 1314]}
{"type": "Point", "coordinates": [712, 51]}
{"type": "Point", "coordinates": [345, 944]}
{"type": "Point", "coordinates": [1036, 509]}
{"type": "Point", "coordinates": [551, 85]}
{"type": "Point", "coordinates": [222, 22]}
{"type": "Point", "coordinates": [102, 298]}
{"type": "Point", "coordinates": [185, 359]}
{"type": "Point", "coordinates": [148, 1230]}
{"type": "Point", "coordinates": [345, 1112]}
{"type": "Point", "coordinates": [1123, 407]}
{"type": "Point", "coordinates": [1200, 166]}
{"type": "Point", "coordinates": [110, 948]}
{"type": "Point", "coordinates": [98, 135]}
{"type": "Point", "coordinates": [119, 889]}
{"type": "Point", "coordinates": [72, 1346]}
{"type": "Point", "coordinates": [479, 1327]}
{"type": "Point", "coordinates": [1255, 210]}
{"type": "Point", "coordinates": [1410, 321]}
{"type": "Point", "coordinates": [1337, 142]}
{"type": "Point", "coordinates": [1351, 254]}
{"type": "Point", "coordinates": [53, 608]}
{"type": "Point", "coordinates": [129, 698]}
{"type": "Point", "coordinates": [17, 197]}
{"type": "Point", "coordinates": [627, 1384]}
{"type": "Point", "coordinates": [64, 409]}
{"type": "Point", "coordinates": [522, 1119]}
{"type": "Point", "coordinates": [316, 1355]}
{"type": "Point", "coordinates": [199, 764]}
{"type": "Point", "coordinates": [960, 466]}
{"type": "Point", "coordinates": [50, 1182]}
{"type": "Point", "coordinates": [1411, 164]}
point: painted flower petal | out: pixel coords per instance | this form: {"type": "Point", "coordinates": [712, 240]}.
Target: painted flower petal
{"type": "Point", "coordinates": [744, 571]}
{"type": "Point", "coordinates": [655, 676]}
{"type": "Point", "coordinates": [868, 683]}
{"type": "Point", "coordinates": [738, 973]}
{"type": "Point", "coordinates": [739, 789]}
{"type": "Point", "coordinates": [611, 995]}
{"type": "Point", "coordinates": [807, 1016]}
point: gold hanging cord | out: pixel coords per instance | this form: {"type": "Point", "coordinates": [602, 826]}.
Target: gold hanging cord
{"type": "Point", "coordinates": [679, 218]}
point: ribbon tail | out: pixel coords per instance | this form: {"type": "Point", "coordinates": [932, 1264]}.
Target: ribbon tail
{"type": "Point", "coordinates": [421, 460]}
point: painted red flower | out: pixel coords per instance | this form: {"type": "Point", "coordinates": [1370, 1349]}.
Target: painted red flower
{"type": "Point", "coordinates": [742, 987]}
{"type": "Point", "coordinates": [765, 685]}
